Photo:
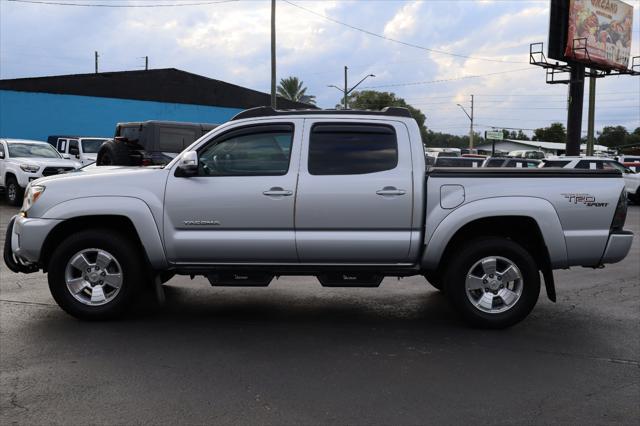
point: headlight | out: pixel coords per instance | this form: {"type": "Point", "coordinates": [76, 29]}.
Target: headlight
{"type": "Point", "coordinates": [31, 195]}
{"type": "Point", "coordinates": [31, 168]}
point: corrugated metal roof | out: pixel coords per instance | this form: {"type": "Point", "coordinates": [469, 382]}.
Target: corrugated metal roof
{"type": "Point", "coordinates": [161, 85]}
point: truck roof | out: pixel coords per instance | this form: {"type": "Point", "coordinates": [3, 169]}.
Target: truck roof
{"type": "Point", "coordinates": [270, 112]}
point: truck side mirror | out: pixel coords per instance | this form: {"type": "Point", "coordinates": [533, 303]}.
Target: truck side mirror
{"type": "Point", "coordinates": [74, 151]}
{"type": "Point", "coordinates": [188, 164]}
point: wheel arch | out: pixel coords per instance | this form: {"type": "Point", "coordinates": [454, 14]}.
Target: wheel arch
{"type": "Point", "coordinates": [531, 222]}
{"type": "Point", "coordinates": [130, 216]}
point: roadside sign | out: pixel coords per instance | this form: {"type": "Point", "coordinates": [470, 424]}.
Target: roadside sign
{"type": "Point", "coordinates": [490, 134]}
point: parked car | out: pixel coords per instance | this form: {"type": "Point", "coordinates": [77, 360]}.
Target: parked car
{"type": "Point", "coordinates": [510, 162]}
{"type": "Point", "coordinates": [149, 142]}
{"type": "Point", "coordinates": [23, 161]}
{"type": "Point", "coordinates": [83, 149]}
{"type": "Point", "coordinates": [630, 161]}
{"type": "Point", "coordinates": [528, 153]}
{"type": "Point", "coordinates": [631, 178]}
{"type": "Point", "coordinates": [441, 161]}
{"type": "Point", "coordinates": [339, 195]}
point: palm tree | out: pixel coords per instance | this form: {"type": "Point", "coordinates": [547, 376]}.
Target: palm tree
{"type": "Point", "coordinates": [293, 89]}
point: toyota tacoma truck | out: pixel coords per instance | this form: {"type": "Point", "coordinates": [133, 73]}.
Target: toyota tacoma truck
{"type": "Point", "coordinates": [341, 195]}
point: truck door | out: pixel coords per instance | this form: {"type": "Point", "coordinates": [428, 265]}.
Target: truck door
{"type": "Point", "coordinates": [239, 208]}
{"type": "Point", "coordinates": [355, 192]}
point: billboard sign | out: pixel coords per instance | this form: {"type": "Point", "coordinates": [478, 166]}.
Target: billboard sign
{"type": "Point", "coordinates": [599, 33]}
{"type": "Point", "coordinates": [497, 135]}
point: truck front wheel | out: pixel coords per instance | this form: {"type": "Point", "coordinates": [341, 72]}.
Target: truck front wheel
{"type": "Point", "coordinates": [13, 192]}
{"type": "Point", "coordinates": [95, 274]}
{"type": "Point", "coordinates": [492, 282]}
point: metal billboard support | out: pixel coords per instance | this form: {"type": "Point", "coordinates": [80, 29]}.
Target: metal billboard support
{"type": "Point", "coordinates": [573, 73]}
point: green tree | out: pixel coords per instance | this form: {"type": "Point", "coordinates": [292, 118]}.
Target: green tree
{"type": "Point", "coordinates": [521, 136]}
{"type": "Point", "coordinates": [554, 133]}
{"type": "Point", "coordinates": [633, 138]}
{"type": "Point", "coordinates": [293, 89]}
{"type": "Point", "coordinates": [613, 136]}
{"type": "Point", "coordinates": [374, 100]}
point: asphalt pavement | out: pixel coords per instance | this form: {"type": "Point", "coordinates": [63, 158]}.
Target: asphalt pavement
{"type": "Point", "coordinates": [297, 353]}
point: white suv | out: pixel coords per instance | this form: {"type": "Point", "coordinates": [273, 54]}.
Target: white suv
{"type": "Point", "coordinates": [22, 161]}
{"type": "Point", "coordinates": [84, 150]}
{"type": "Point", "coordinates": [631, 178]}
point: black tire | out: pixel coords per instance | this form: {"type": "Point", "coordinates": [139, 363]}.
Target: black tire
{"type": "Point", "coordinates": [476, 250]}
{"type": "Point", "coordinates": [13, 193]}
{"type": "Point", "coordinates": [125, 252]}
{"type": "Point", "coordinates": [113, 153]}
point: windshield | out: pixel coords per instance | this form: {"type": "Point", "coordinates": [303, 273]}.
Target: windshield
{"type": "Point", "coordinates": [91, 146]}
{"type": "Point", "coordinates": [32, 150]}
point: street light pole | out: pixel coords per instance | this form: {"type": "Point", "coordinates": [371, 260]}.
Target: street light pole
{"type": "Point", "coordinates": [470, 119]}
{"type": "Point", "coordinates": [346, 90]}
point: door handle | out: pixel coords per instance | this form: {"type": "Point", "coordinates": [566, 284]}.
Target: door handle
{"type": "Point", "coordinates": [390, 190]}
{"type": "Point", "coordinates": [277, 191]}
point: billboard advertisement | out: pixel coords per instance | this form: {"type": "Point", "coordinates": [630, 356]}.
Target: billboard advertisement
{"type": "Point", "coordinates": [599, 33]}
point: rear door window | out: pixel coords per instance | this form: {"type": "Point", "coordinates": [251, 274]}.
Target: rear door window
{"type": "Point", "coordinates": [589, 165]}
{"type": "Point", "coordinates": [349, 149]}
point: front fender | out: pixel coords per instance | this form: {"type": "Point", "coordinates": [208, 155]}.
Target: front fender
{"type": "Point", "coordinates": [540, 210]}
{"type": "Point", "coordinates": [134, 209]}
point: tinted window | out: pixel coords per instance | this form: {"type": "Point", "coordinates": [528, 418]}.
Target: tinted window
{"type": "Point", "coordinates": [73, 147]}
{"type": "Point", "coordinates": [346, 149]}
{"type": "Point", "coordinates": [555, 163]}
{"type": "Point", "coordinates": [1, 150]}
{"type": "Point", "coordinates": [587, 164]}
{"type": "Point", "coordinates": [259, 151]}
{"type": "Point", "coordinates": [175, 140]}
{"type": "Point", "coordinates": [62, 145]}
{"type": "Point", "coordinates": [92, 146]}
{"type": "Point", "coordinates": [494, 162]}
{"type": "Point", "coordinates": [457, 162]}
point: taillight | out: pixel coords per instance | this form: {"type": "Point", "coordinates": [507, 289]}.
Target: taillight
{"type": "Point", "coordinates": [620, 215]}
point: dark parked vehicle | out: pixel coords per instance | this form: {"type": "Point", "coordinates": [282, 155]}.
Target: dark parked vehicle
{"type": "Point", "coordinates": [453, 161]}
{"type": "Point", "coordinates": [511, 162]}
{"type": "Point", "coordinates": [149, 143]}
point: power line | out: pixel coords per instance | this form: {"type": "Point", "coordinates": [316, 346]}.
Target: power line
{"type": "Point", "coordinates": [442, 80]}
{"type": "Point", "coordinates": [60, 3]}
{"type": "Point", "coordinates": [404, 43]}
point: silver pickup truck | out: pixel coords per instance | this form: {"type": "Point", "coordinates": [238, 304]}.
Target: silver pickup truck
{"type": "Point", "coordinates": [341, 195]}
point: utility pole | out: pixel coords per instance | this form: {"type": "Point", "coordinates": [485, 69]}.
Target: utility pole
{"type": "Point", "coordinates": [96, 56]}
{"type": "Point", "coordinates": [471, 128]}
{"type": "Point", "coordinates": [273, 54]}
{"type": "Point", "coordinates": [574, 113]}
{"type": "Point", "coordinates": [146, 63]}
{"type": "Point", "coordinates": [592, 114]}
{"type": "Point", "coordinates": [346, 90]}
{"type": "Point", "coordinates": [470, 116]}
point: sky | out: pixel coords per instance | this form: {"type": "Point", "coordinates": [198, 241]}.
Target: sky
{"type": "Point", "coordinates": [439, 45]}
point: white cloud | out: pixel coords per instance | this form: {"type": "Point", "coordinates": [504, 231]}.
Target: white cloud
{"type": "Point", "coordinates": [403, 23]}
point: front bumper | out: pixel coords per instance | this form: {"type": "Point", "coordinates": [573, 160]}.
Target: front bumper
{"type": "Point", "coordinates": [23, 242]}
{"type": "Point", "coordinates": [618, 247]}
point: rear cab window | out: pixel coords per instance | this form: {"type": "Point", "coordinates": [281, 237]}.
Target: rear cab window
{"type": "Point", "coordinates": [349, 149]}
{"type": "Point", "coordinates": [555, 163]}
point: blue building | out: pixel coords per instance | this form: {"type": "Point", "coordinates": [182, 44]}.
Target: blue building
{"type": "Point", "coordinates": [92, 104]}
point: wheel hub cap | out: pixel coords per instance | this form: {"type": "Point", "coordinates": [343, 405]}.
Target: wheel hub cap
{"type": "Point", "coordinates": [93, 276]}
{"type": "Point", "coordinates": [494, 284]}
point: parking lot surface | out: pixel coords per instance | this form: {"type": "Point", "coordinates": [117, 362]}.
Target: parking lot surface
{"type": "Point", "coordinates": [297, 353]}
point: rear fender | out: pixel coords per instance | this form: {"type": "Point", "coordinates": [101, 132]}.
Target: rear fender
{"type": "Point", "coordinates": [538, 209]}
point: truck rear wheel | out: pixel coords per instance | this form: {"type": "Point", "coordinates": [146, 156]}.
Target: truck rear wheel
{"type": "Point", "coordinates": [95, 274]}
{"type": "Point", "coordinates": [492, 282]}
{"type": "Point", "coordinates": [112, 153]}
